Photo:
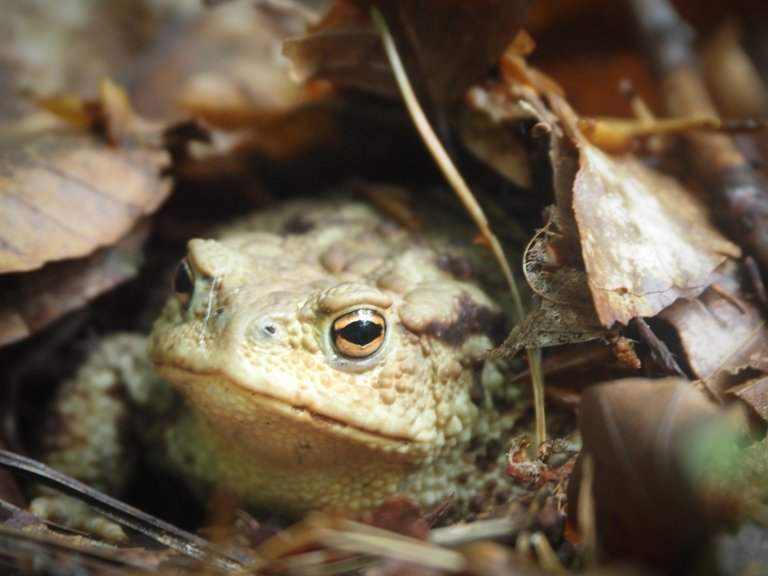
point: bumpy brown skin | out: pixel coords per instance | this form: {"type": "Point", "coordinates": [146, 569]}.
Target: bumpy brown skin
{"type": "Point", "coordinates": [272, 410]}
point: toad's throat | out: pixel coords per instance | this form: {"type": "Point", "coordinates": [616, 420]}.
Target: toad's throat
{"type": "Point", "coordinates": [186, 381]}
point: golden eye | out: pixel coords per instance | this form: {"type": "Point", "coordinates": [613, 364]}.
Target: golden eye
{"type": "Point", "coordinates": [184, 282]}
{"type": "Point", "coordinates": [358, 334]}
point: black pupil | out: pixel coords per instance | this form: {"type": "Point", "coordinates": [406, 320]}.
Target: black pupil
{"type": "Point", "coordinates": [182, 279]}
{"type": "Point", "coordinates": [360, 332]}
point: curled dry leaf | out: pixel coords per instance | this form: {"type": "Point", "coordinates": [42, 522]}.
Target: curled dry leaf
{"type": "Point", "coordinates": [495, 141]}
{"type": "Point", "coordinates": [65, 193]}
{"type": "Point", "coordinates": [565, 313]}
{"type": "Point", "coordinates": [720, 331]}
{"type": "Point", "coordinates": [645, 239]}
{"type": "Point", "coordinates": [29, 301]}
{"type": "Point", "coordinates": [221, 65]}
{"type": "Point", "coordinates": [754, 393]}
{"type": "Point", "coordinates": [722, 336]}
{"type": "Point", "coordinates": [432, 36]}
{"type": "Point", "coordinates": [663, 468]}
{"type": "Point", "coordinates": [344, 47]}
{"type": "Point", "coordinates": [400, 514]}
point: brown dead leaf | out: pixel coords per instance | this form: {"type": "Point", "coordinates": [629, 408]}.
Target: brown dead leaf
{"type": "Point", "coordinates": [438, 33]}
{"type": "Point", "coordinates": [731, 75]}
{"type": "Point", "coordinates": [661, 453]}
{"type": "Point", "coordinates": [432, 36]}
{"type": "Point", "coordinates": [754, 393]}
{"type": "Point", "coordinates": [344, 47]}
{"type": "Point", "coordinates": [401, 515]}
{"type": "Point", "coordinates": [495, 141]}
{"type": "Point", "coordinates": [221, 64]}
{"type": "Point", "coordinates": [64, 193]}
{"type": "Point", "coordinates": [30, 301]}
{"type": "Point", "coordinates": [565, 313]}
{"type": "Point", "coordinates": [718, 333]}
{"type": "Point", "coordinates": [646, 241]}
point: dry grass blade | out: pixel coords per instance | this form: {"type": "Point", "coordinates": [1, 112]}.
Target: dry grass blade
{"type": "Point", "coordinates": [160, 531]}
{"type": "Point", "coordinates": [458, 534]}
{"type": "Point", "coordinates": [54, 555]}
{"type": "Point", "coordinates": [462, 190]}
{"type": "Point", "coordinates": [349, 536]}
{"type": "Point", "coordinates": [389, 545]}
{"type": "Point", "coordinates": [586, 513]}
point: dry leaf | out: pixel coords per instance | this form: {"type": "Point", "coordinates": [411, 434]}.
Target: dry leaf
{"type": "Point", "coordinates": [432, 36]}
{"type": "Point", "coordinates": [400, 514]}
{"type": "Point", "coordinates": [495, 141]}
{"type": "Point", "coordinates": [453, 43]}
{"type": "Point", "coordinates": [344, 47]}
{"type": "Point", "coordinates": [755, 393]}
{"type": "Point", "coordinates": [64, 193]}
{"type": "Point", "coordinates": [731, 75]}
{"type": "Point", "coordinates": [661, 454]}
{"type": "Point", "coordinates": [565, 313]}
{"type": "Point", "coordinates": [645, 240]}
{"type": "Point", "coordinates": [30, 301]}
{"type": "Point", "coordinates": [721, 330]}
{"type": "Point", "coordinates": [220, 65]}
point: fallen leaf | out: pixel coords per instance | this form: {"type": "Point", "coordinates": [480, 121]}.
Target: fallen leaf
{"type": "Point", "coordinates": [401, 515]}
{"type": "Point", "coordinates": [345, 48]}
{"type": "Point", "coordinates": [220, 65]}
{"type": "Point", "coordinates": [718, 333]}
{"type": "Point", "coordinates": [30, 301]}
{"type": "Point", "coordinates": [497, 144]}
{"type": "Point", "coordinates": [563, 312]}
{"type": "Point", "coordinates": [431, 35]}
{"type": "Point", "coordinates": [438, 35]}
{"type": "Point", "coordinates": [662, 455]}
{"type": "Point", "coordinates": [755, 393]}
{"type": "Point", "coordinates": [65, 193]}
{"type": "Point", "coordinates": [645, 240]}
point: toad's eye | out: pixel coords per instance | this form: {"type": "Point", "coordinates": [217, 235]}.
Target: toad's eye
{"type": "Point", "coordinates": [358, 334]}
{"type": "Point", "coordinates": [184, 282]}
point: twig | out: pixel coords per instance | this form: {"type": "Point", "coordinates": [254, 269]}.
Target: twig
{"type": "Point", "coordinates": [757, 282]}
{"type": "Point", "coordinates": [738, 194]}
{"type": "Point", "coordinates": [157, 529]}
{"type": "Point", "coordinates": [659, 349]}
{"type": "Point", "coordinates": [462, 190]}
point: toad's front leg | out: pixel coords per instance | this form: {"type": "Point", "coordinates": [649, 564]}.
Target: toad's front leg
{"type": "Point", "coordinates": [90, 430]}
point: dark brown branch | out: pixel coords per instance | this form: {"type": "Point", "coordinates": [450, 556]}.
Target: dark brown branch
{"type": "Point", "coordinates": [659, 350]}
{"type": "Point", "coordinates": [739, 200]}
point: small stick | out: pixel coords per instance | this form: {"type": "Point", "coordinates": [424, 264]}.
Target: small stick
{"type": "Point", "coordinates": [659, 349]}
{"type": "Point", "coordinates": [738, 194]}
{"type": "Point", "coordinates": [757, 282]}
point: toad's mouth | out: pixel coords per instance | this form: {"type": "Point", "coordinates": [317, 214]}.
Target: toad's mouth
{"type": "Point", "coordinates": [207, 390]}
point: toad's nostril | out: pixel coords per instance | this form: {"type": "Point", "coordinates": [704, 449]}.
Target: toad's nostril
{"type": "Point", "coordinates": [270, 329]}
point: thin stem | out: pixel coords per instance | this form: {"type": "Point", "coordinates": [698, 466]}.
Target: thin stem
{"type": "Point", "coordinates": [462, 190]}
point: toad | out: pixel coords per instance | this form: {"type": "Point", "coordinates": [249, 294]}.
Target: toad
{"type": "Point", "coordinates": [316, 356]}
